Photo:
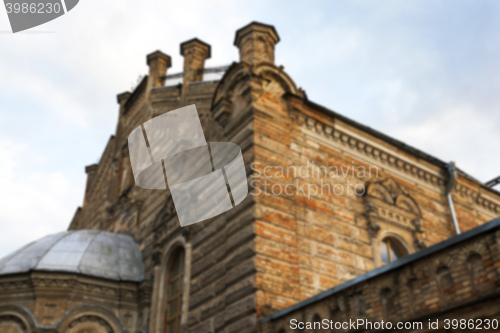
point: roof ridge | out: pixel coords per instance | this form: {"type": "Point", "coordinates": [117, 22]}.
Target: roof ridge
{"type": "Point", "coordinates": [67, 233]}
{"type": "Point", "coordinates": [86, 248]}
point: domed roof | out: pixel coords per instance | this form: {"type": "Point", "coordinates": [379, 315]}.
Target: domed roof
{"type": "Point", "coordinates": [91, 252]}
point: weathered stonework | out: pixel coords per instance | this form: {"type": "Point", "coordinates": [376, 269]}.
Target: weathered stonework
{"type": "Point", "coordinates": [63, 302]}
{"type": "Point", "coordinates": [272, 250]}
{"type": "Point", "coordinates": [457, 279]}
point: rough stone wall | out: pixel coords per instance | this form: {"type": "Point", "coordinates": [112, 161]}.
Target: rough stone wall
{"type": "Point", "coordinates": [222, 266]}
{"type": "Point", "coordinates": [112, 200]}
{"type": "Point", "coordinates": [457, 282]}
{"type": "Point", "coordinates": [59, 302]}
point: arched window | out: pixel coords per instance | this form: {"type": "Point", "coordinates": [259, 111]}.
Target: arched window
{"type": "Point", "coordinates": [475, 266]}
{"type": "Point", "coordinates": [391, 250]}
{"type": "Point", "coordinates": [412, 295]}
{"type": "Point", "coordinates": [119, 178]}
{"type": "Point", "coordinates": [12, 324]}
{"type": "Point", "coordinates": [317, 323]}
{"type": "Point", "coordinates": [175, 287]}
{"type": "Point", "coordinates": [387, 298]}
{"type": "Point", "coordinates": [445, 281]}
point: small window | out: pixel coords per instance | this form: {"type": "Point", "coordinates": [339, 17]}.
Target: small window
{"type": "Point", "coordinates": [387, 298]}
{"type": "Point", "coordinates": [175, 287]}
{"type": "Point", "coordinates": [391, 250]}
{"type": "Point", "coordinates": [119, 178]}
{"type": "Point", "coordinates": [317, 324]}
{"type": "Point", "coordinates": [445, 281]}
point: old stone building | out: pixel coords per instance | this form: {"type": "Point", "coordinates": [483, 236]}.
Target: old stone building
{"type": "Point", "coordinates": [453, 285]}
{"type": "Point", "coordinates": [333, 204]}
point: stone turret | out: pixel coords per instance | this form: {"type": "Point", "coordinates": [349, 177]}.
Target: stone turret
{"type": "Point", "coordinates": [158, 63]}
{"type": "Point", "coordinates": [256, 43]}
{"type": "Point", "coordinates": [195, 52]}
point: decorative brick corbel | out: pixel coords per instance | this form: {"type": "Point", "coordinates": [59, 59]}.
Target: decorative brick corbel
{"type": "Point", "coordinates": [373, 228]}
{"type": "Point", "coordinates": [157, 255]}
{"type": "Point", "coordinates": [222, 111]}
{"type": "Point", "coordinates": [186, 232]}
{"type": "Point", "coordinates": [419, 244]}
{"type": "Point", "coordinates": [418, 225]}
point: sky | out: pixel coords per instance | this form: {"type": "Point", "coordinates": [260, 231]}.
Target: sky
{"type": "Point", "coordinates": [424, 72]}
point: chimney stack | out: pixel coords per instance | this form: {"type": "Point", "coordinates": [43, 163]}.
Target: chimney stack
{"type": "Point", "coordinates": [158, 63]}
{"type": "Point", "coordinates": [90, 170]}
{"type": "Point", "coordinates": [256, 43]}
{"type": "Point", "coordinates": [194, 52]}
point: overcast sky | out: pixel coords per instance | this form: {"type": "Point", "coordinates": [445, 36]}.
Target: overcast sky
{"type": "Point", "coordinates": [424, 72]}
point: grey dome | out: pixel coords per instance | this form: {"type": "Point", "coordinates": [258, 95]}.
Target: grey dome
{"type": "Point", "coordinates": [91, 252]}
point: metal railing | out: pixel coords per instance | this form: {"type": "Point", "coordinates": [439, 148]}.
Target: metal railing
{"type": "Point", "coordinates": [220, 69]}
{"type": "Point", "coordinates": [493, 182]}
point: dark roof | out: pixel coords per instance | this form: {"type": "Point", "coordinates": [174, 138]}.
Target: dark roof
{"type": "Point", "coordinates": [482, 229]}
{"type": "Point", "coordinates": [96, 253]}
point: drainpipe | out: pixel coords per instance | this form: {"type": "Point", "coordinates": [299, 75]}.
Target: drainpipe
{"type": "Point", "coordinates": [452, 179]}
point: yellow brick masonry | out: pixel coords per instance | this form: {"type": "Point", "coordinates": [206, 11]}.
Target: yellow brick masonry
{"type": "Point", "coordinates": [275, 250]}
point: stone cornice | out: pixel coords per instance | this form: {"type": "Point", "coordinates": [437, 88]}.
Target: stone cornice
{"type": "Point", "coordinates": [109, 289]}
{"type": "Point", "coordinates": [15, 285]}
{"type": "Point", "coordinates": [386, 157]}
{"type": "Point", "coordinates": [366, 148]}
{"type": "Point", "coordinates": [477, 198]}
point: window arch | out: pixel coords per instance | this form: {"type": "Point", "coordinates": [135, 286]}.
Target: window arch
{"type": "Point", "coordinates": [317, 324]}
{"type": "Point", "coordinates": [391, 250]}
{"type": "Point", "coordinates": [445, 281]}
{"type": "Point", "coordinates": [119, 177]}
{"type": "Point", "coordinates": [10, 323]}
{"type": "Point", "coordinates": [387, 300]}
{"type": "Point", "coordinates": [175, 288]}
{"type": "Point", "coordinates": [475, 266]}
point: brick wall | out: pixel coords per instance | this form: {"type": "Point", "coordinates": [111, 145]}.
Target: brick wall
{"type": "Point", "coordinates": [276, 249]}
{"type": "Point", "coordinates": [314, 239]}
{"type": "Point", "coordinates": [455, 280]}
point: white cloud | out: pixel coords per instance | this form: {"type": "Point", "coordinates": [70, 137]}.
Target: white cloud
{"type": "Point", "coordinates": [454, 134]}
{"type": "Point", "coordinates": [33, 204]}
{"type": "Point", "coordinates": [424, 72]}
